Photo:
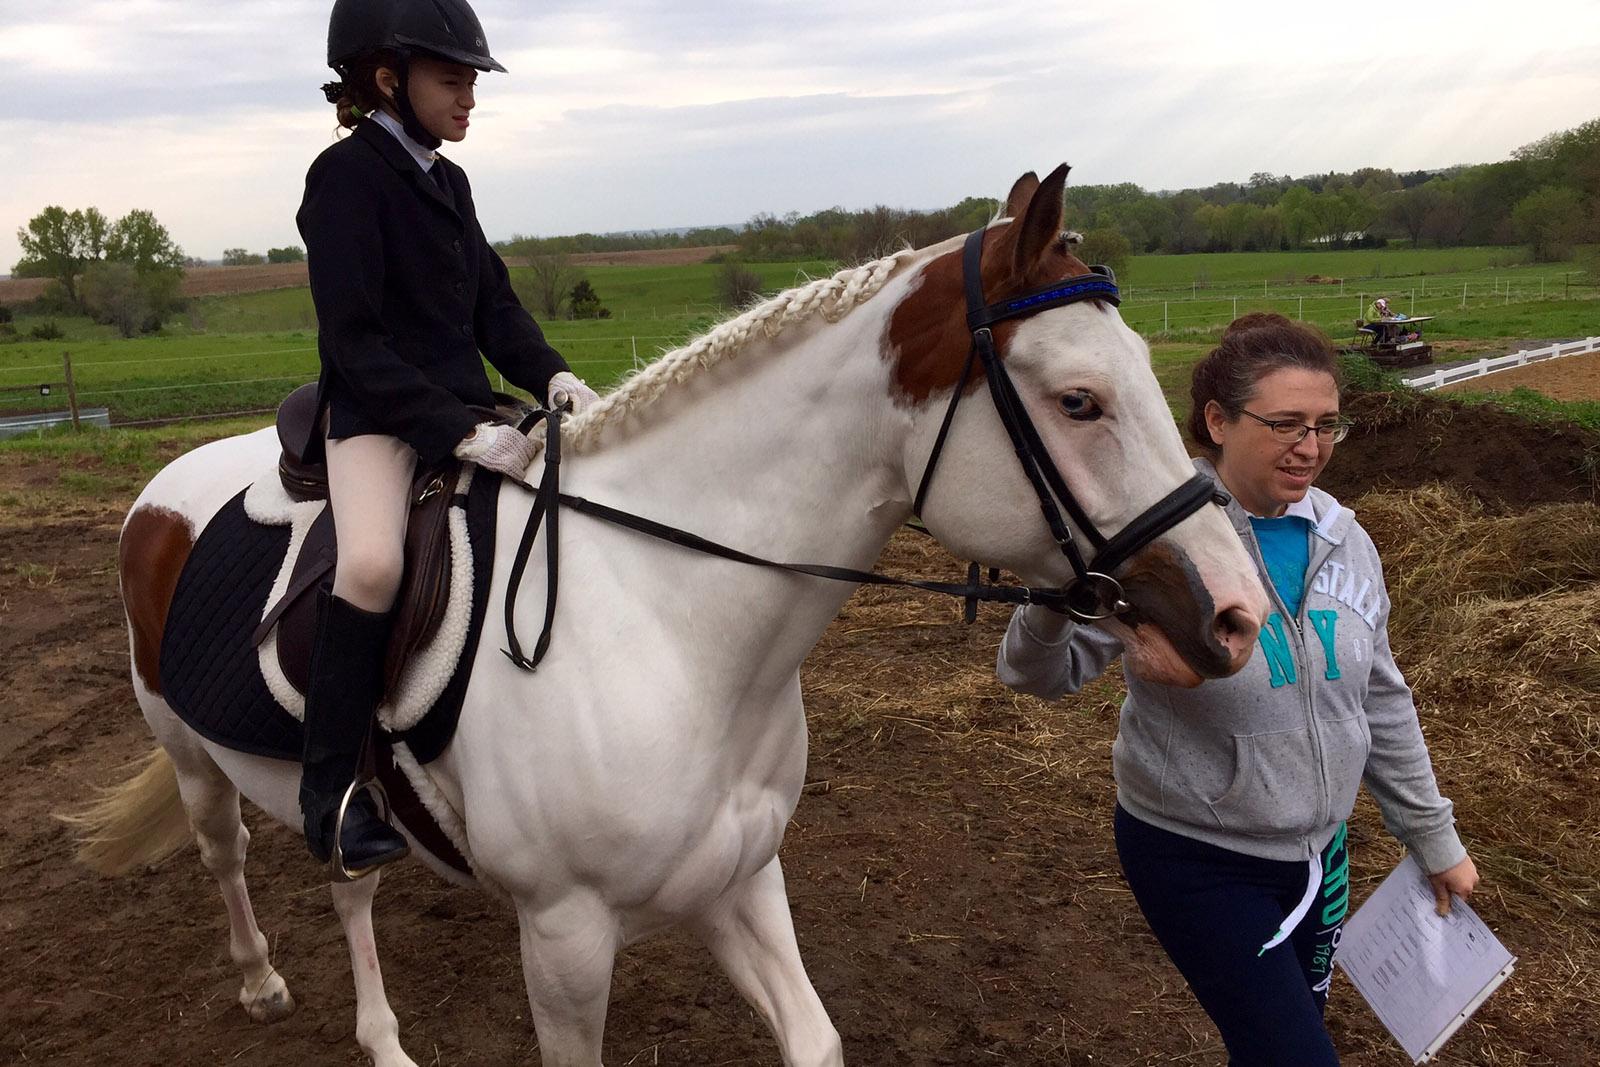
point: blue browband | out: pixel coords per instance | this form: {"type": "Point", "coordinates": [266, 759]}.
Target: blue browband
{"type": "Point", "coordinates": [1099, 285]}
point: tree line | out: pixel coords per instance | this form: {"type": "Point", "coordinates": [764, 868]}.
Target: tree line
{"type": "Point", "coordinates": [125, 273]}
{"type": "Point", "coordinates": [1547, 196]}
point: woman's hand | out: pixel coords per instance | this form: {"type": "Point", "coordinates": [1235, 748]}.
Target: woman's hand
{"type": "Point", "coordinates": [498, 447]}
{"type": "Point", "coordinates": [567, 387]}
{"type": "Point", "coordinates": [1459, 880]}
{"type": "Point", "coordinates": [1047, 624]}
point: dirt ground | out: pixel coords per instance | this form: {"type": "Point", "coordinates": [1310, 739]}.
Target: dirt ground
{"type": "Point", "coordinates": [651, 257]}
{"type": "Point", "coordinates": [197, 281]}
{"type": "Point", "coordinates": [211, 281]}
{"type": "Point", "coordinates": [951, 870]}
{"type": "Point", "coordinates": [1568, 378]}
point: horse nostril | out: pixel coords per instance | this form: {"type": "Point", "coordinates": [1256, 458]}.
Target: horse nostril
{"type": "Point", "coordinates": [1235, 629]}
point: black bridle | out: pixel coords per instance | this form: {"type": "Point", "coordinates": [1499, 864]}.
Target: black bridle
{"type": "Point", "coordinates": [1092, 594]}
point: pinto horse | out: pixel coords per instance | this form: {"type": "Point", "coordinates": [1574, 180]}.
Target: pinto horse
{"type": "Point", "coordinates": [644, 775]}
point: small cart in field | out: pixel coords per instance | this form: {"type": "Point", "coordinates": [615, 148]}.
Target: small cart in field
{"type": "Point", "coordinates": [1392, 342]}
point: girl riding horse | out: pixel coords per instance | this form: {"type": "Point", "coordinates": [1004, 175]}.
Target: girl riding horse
{"type": "Point", "coordinates": [407, 292]}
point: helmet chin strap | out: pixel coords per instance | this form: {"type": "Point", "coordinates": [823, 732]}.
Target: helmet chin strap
{"type": "Point", "coordinates": [408, 115]}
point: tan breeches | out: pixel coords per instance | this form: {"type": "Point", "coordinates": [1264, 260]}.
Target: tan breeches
{"type": "Point", "coordinates": [369, 489]}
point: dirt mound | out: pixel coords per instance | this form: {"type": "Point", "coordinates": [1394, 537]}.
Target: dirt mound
{"type": "Point", "coordinates": [1408, 440]}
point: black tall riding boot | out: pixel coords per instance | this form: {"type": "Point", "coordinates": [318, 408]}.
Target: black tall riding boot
{"type": "Point", "coordinates": [342, 695]}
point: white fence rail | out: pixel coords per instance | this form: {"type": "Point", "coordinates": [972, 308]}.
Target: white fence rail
{"type": "Point", "coordinates": [1467, 371]}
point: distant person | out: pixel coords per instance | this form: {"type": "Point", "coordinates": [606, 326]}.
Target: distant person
{"type": "Point", "coordinates": [1232, 796]}
{"type": "Point", "coordinates": [407, 292]}
{"type": "Point", "coordinates": [1381, 321]}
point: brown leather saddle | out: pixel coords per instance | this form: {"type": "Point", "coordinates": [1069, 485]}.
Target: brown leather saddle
{"type": "Point", "coordinates": [424, 588]}
{"type": "Point", "coordinates": [425, 585]}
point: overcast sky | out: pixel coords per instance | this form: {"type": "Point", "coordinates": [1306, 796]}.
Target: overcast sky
{"type": "Point", "coordinates": [655, 113]}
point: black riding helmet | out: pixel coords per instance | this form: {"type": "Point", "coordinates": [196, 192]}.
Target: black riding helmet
{"type": "Point", "coordinates": [444, 29]}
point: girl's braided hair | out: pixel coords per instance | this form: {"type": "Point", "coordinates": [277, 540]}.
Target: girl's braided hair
{"type": "Point", "coordinates": [358, 95]}
{"type": "Point", "coordinates": [1252, 347]}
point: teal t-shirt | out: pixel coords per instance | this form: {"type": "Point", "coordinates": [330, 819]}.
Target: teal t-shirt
{"type": "Point", "coordinates": [1286, 548]}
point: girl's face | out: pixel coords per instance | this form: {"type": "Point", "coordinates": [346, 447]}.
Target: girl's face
{"type": "Point", "coordinates": [1264, 472]}
{"type": "Point", "coordinates": [441, 95]}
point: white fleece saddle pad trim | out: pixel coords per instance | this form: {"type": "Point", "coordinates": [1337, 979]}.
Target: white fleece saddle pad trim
{"type": "Point", "coordinates": [429, 670]}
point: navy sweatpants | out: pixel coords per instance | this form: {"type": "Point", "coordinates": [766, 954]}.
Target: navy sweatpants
{"type": "Point", "coordinates": [1212, 909]}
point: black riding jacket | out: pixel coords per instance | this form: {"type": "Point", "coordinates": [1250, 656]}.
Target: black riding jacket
{"type": "Point", "coordinates": [408, 292]}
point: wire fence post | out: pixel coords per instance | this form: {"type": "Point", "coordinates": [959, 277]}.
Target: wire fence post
{"type": "Point", "coordinates": [1302, 312]}
{"type": "Point", "coordinates": [1413, 311]}
{"type": "Point", "coordinates": [1463, 294]}
{"type": "Point", "coordinates": [72, 390]}
{"type": "Point", "coordinates": [634, 342]}
{"type": "Point", "coordinates": [1235, 307]}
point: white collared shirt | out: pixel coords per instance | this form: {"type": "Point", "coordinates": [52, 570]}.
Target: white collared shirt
{"type": "Point", "coordinates": [424, 157]}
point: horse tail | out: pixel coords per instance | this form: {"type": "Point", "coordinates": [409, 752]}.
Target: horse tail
{"type": "Point", "coordinates": [136, 823]}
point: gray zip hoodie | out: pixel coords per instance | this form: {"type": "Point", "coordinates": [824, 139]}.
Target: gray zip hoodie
{"type": "Point", "coordinates": [1267, 762]}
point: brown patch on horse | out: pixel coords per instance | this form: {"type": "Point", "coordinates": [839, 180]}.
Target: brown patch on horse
{"type": "Point", "coordinates": [928, 336]}
{"type": "Point", "coordinates": [155, 545]}
{"type": "Point", "coordinates": [1158, 580]}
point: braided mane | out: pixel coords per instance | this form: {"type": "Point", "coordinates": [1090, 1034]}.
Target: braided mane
{"type": "Point", "coordinates": [833, 298]}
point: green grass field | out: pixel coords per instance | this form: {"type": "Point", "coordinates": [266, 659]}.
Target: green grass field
{"type": "Point", "coordinates": [1235, 269]}
{"type": "Point", "coordinates": [244, 352]}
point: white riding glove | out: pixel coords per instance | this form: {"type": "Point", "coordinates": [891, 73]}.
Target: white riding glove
{"type": "Point", "coordinates": [498, 447]}
{"type": "Point", "coordinates": [566, 386]}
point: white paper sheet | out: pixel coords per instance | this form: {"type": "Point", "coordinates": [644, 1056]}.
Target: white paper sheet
{"type": "Point", "coordinates": [1423, 975]}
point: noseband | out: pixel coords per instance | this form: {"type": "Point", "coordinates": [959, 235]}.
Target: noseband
{"type": "Point", "coordinates": [1093, 593]}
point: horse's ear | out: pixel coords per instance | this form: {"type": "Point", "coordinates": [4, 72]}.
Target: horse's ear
{"type": "Point", "coordinates": [1021, 193]}
{"type": "Point", "coordinates": [1041, 226]}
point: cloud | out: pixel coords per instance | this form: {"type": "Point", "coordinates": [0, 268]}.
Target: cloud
{"type": "Point", "coordinates": [645, 113]}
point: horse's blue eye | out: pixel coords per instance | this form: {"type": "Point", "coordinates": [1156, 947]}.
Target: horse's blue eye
{"type": "Point", "coordinates": [1081, 405]}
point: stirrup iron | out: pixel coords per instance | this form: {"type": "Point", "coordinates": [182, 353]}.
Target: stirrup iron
{"type": "Point", "coordinates": [337, 872]}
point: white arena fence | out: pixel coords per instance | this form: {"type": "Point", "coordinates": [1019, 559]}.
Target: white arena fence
{"type": "Point", "coordinates": [1467, 371]}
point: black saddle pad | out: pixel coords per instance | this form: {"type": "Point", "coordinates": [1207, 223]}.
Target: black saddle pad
{"type": "Point", "coordinates": [210, 672]}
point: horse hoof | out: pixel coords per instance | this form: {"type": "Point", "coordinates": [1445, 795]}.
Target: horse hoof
{"type": "Point", "coordinates": [269, 1004]}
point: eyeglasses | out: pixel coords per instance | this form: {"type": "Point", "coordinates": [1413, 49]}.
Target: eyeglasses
{"type": "Point", "coordinates": [1289, 432]}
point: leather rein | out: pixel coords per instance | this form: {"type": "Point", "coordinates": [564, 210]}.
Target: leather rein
{"type": "Point", "coordinates": [1091, 595]}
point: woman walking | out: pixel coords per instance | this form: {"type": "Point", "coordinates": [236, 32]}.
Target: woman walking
{"type": "Point", "coordinates": [408, 293]}
{"type": "Point", "coordinates": [1232, 796]}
